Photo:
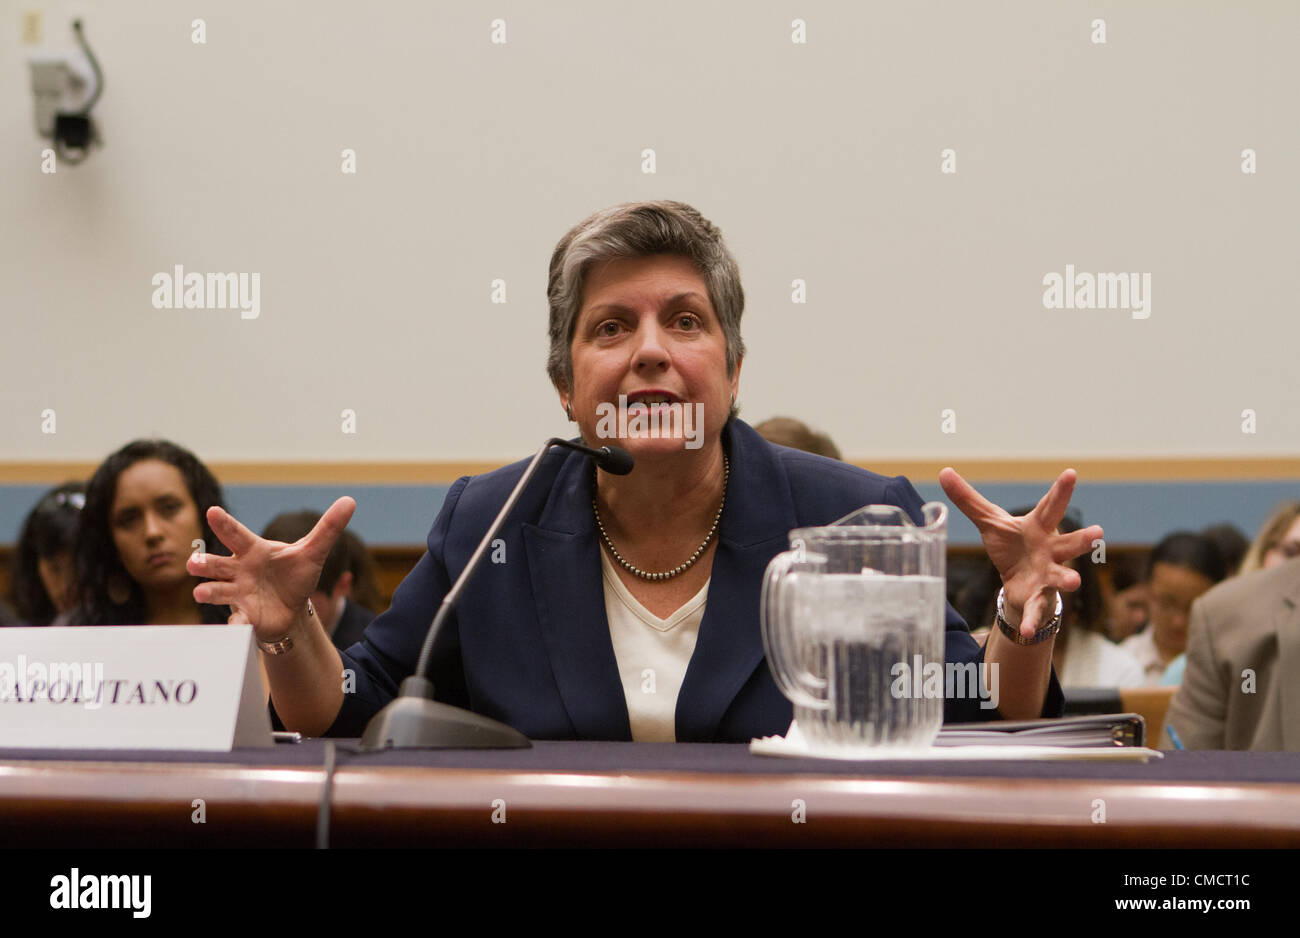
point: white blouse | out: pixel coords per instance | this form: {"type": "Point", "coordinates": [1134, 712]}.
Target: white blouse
{"type": "Point", "coordinates": [652, 655]}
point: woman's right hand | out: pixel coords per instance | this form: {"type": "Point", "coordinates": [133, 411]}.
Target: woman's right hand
{"type": "Point", "coordinates": [266, 583]}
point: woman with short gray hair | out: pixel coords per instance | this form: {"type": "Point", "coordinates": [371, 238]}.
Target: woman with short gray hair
{"type": "Point", "coordinates": [627, 606]}
{"type": "Point", "coordinates": [639, 230]}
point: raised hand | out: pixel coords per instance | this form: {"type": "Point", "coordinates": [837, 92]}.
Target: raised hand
{"type": "Point", "coordinates": [1029, 554]}
{"type": "Point", "coordinates": [266, 583]}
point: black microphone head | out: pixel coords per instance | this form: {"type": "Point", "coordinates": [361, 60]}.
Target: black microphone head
{"type": "Point", "coordinates": [615, 461]}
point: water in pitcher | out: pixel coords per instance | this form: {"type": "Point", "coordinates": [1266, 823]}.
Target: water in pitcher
{"type": "Point", "coordinates": [855, 630]}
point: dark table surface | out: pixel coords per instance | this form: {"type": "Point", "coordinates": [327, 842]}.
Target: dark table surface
{"type": "Point", "coordinates": [617, 757]}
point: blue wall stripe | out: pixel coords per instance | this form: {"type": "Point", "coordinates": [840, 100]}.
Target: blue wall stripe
{"type": "Point", "coordinates": [1131, 513]}
{"type": "Point", "coordinates": [1139, 512]}
{"type": "Point", "coordinates": [386, 514]}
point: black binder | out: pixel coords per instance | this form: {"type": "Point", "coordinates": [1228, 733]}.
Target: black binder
{"type": "Point", "coordinates": [1103, 729]}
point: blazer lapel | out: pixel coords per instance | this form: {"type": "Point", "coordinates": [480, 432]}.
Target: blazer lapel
{"type": "Point", "coordinates": [1288, 665]}
{"type": "Point", "coordinates": [564, 567]}
{"type": "Point", "coordinates": [755, 525]}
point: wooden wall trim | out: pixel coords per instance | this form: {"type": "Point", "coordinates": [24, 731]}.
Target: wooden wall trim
{"type": "Point", "coordinates": [922, 470]}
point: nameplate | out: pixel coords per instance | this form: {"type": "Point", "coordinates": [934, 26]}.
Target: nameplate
{"type": "Point", "coordinates": [132, 687]}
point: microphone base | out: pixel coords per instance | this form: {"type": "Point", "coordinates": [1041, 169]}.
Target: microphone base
{"type": "Point", "coordinates": [413, 721]}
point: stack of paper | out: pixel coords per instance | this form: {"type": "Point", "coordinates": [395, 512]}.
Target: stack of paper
{"type": "Point", "coordinates": [1108, 738]}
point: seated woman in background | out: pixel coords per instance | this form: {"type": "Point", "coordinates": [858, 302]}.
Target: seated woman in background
{"type": "Point", "coordinates": [1277, 542]}
{"type": "Point", "coordinates": [1183, 567]}
{"type": "Point", "coordinates": [146, 507]}
{"type": "Point", "coordinates": [1242, 665]}
{"type": "Point", "coordinates": [43, 585]}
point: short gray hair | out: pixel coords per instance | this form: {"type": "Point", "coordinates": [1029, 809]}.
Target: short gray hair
{"type": "Point", "coordinates": [640, 229]}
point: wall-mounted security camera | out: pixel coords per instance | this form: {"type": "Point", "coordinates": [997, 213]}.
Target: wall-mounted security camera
{"type": "Point", "coordinates": [66, 86]}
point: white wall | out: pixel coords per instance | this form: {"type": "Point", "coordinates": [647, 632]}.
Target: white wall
{"type": "Point", "coordinates": [818, 161]}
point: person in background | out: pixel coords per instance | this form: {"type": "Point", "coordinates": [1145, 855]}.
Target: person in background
{"type": "Point", "coordinates": [1183, 567]}
{"type": "Point", "coordinates": [1127, 601]}
{"type": "Point", "coordinates": [1243, 665]}
{"type": "Point", "coordinates": [146, 507]}
{"type": "Point", "coordinates": [1278, 539]}
{"type": "Point", "coordinates": [786, 431]}
{"type": "Point", "coordinates": [44, 584]}
{"type": "Point", "coordinates": [1083, 655]}
{"type": "Point", "coordinates": [1233, 546]}
{"type": "Point", "coordinates": [1231, 542]}
{"type": "Point", "coordinates": [365, 585]}
{"type": "Point", "coordinates": [343, 619]}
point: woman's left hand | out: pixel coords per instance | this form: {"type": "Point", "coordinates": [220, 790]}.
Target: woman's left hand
{"type": "Point", "coordinates": [1030, 556]}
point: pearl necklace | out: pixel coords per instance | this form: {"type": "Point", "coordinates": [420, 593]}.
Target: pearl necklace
{"type": "Point", "coordinates": [680, 568]}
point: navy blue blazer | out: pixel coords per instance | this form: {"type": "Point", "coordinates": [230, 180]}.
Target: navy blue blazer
{"type": "Point", "coordinates": [529, 644]}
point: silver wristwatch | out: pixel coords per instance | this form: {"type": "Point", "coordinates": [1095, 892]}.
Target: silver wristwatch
{"type": "Point", "coordinates": [1044, 632]}
{"type": "Point", "coordinates": [285, 644]}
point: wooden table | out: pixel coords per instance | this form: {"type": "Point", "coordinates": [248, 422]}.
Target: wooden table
{"type": "Point", "coordinates": [558, 796]}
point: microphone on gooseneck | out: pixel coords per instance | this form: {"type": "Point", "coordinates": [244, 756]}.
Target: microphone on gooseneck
{"type": "Point", "coordinates": [613, 460]}
{"type": "Point", "coordinates": [617, 461]}
{"type": "Point", "coordinates": [414, 720]}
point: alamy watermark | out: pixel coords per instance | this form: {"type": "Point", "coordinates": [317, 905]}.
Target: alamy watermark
{"type": "Point", "coordinates": [651, 417]}
{"type": "Point", "coordinates": [930, 679]}
{"type": "Point", "coordinates": [1131, 291]}
{"type": "Point", "coordinates": [64, 682]}
{"type": "Point", "coordinates": [87, 891]}
{"type": "Point", "coordinates": [179, 290]}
